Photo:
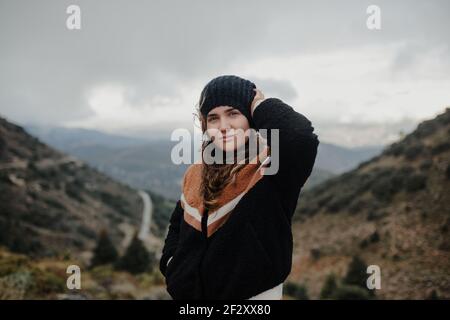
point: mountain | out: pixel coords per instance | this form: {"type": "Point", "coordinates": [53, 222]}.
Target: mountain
{"type": "Point", "coordinates": [140, 163]}
{"type": "Point", "coordinates": [146, 164]}
{"type": "Point", "coordinates": [51, 203]}
{"type": "Point", "coordinates": [337, 159]}
{"type": "Point", "coordinates": [392, 211]}
{"type": "Point", "coordinates": [68, 139]}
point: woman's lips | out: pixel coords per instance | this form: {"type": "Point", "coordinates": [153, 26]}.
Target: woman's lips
{"type": "Point", "coordinates": [226, 138]}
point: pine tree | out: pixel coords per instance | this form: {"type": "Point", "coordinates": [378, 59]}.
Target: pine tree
{"type": "Point", "coordinates": [105, 252]}
{"type": "Point", "coordinates": [356, 273]}
{"type": "Point", "coordinates": [329, 287]}
{"type": "Point", "coordinates": [136, 258]}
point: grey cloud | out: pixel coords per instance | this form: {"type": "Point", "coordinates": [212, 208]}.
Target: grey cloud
{"type": "Point", "coordinates": [154, 47]}
{"type": "Point", "coordinates": [277, 88]}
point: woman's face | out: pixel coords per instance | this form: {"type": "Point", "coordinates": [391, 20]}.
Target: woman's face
{"type": "Point", "coordinates": [223, 123]}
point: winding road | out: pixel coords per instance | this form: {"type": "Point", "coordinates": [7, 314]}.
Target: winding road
{"type": "Point", "coordinates": [144, 233]}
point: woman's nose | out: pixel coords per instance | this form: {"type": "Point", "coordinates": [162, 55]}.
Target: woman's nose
{"type": "Point", "coordinates": [224, 124]}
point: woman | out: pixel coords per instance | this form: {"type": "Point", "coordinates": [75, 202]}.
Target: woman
{"type": "Point", "coordinates": [230, 233]}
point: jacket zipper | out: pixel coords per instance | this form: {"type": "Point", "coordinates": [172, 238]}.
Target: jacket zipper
{"type": "Point", "coordinates": [204, 225]}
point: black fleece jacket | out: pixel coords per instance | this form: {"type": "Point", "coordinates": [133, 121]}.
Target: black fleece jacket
{"type": "Point", "coordinates": [252, 251]}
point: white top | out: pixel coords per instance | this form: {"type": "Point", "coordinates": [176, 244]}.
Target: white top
{"type": "Point", "coordinates": [276, 293]}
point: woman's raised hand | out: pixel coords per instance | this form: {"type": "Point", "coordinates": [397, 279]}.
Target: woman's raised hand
{"type": "Point", "coordinates": [259, 97]}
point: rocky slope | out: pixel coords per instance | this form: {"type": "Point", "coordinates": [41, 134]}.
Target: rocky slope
{"type": "Point", "coordinates": [51, 203]}
{"type": "Point", "coordinates": [392, 211]}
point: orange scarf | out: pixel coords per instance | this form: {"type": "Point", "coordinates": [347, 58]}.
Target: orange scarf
{"type": "Point", "coordinates": [192, 199]}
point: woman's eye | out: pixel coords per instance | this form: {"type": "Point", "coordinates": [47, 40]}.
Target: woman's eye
{"type": "Point", "coordinates": [234, 113]}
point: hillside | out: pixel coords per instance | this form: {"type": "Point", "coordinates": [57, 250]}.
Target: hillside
{"type": "Point", "coordinates": [143, 164]}
{"type": "Point", "coordinates": [51, 203]}
{"type": "Point", "coordinates": [391, 211]}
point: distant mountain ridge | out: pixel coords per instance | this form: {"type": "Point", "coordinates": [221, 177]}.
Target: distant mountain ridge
{"type": "Point", "coordinates": [146, 164]}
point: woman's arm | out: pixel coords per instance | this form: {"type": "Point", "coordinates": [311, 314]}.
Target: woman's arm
{"type": "Point", "coordinates": [297, 146]}
{"type": "Point", "coordinates": [171, 241]}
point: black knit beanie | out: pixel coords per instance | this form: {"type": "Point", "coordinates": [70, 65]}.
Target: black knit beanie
{"type": "Point", "coordinates": [228, 90]}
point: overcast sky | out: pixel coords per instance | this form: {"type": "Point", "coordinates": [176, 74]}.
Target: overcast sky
{"type": "Point", "coordinates": [137, 67]}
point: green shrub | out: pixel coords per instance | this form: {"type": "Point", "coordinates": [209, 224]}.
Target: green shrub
{"type": "Point", "coordinates": [426, 164]}
{"type": "Point", "coordinates": [114, 201]}
{"type": "Point", "coordinates": [413, 151]}
{"type": "Point", "coordinates": [14, 285]}
{"type": "Point", "coordinates": [11, 235]}
{"type": "Point", "coordinates": [315, 253]}
{"type": "Point", "coordinates": [45, 283]}
{"type": "Point", "coordinates": [383, 190]}
{"type": "Point", "coordinates": [396, 149]}
{"type": "Point", "coordinates": [340, 201]}
{"type": "Point", "coordinates": [104, 252]}
{"type": "Point", "coordinates": [54, 203]}
{"type": "Point", "coordinates": [329, 287]}
{"type": "Point", "coordinates": [373, 238]}
{"type": "Point", "coordinates": [324, 199]}
{"type": "Point", "coordinates": [415, 182]}
{"type": "Point", "coordinates": [357, 276]}
{"type": "Point", "coordinates": [103, 275]}
{"type": "Point", "coordinates": [85, 231]}
{"type": "Point", "coordinates": [41, 216]}
{"type": "Point", "coordinates": [297, 291]}
{"type": "Point", "coordinates": [389, 181]}
{"type": "Point", "coordinates": [425, 129]}
{"type": "Point", "coordinates": [136, 258]}
{"type": "Point", "coordinates": [3, 148]}
{"type": "Point", "coordinates": [162, 210]}
{"type": "Point", "coordinates": [433, 295]}
{"type": "Point", "coordinates": [442, 147]}
{"type": "Point", "coordinates": [356, 273]}
{"type": "Point", "coordinates": [73, 191]}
